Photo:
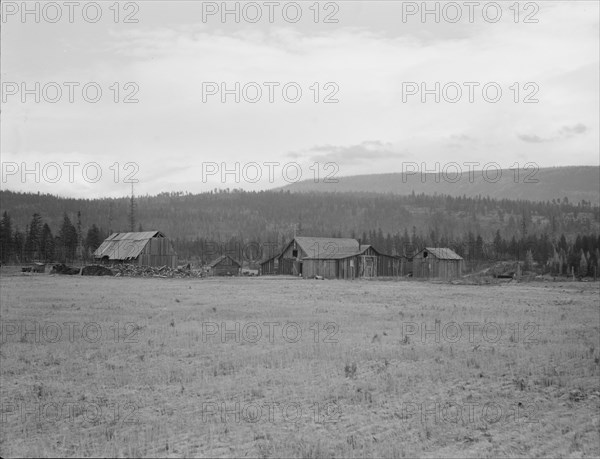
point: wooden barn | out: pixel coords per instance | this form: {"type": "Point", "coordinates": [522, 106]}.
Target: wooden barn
{"type": "Point", "coordinates": [442, 263]}
{"type": "Point", "coordinates": [366, 262]}
{"type": "Point", "coordinates": [290, 260]}
{"type": "Point", "coordinates": [146, 248]}
{"type": "Point", "coordinates": [224, 266]}
{"type": "Point", "coordinates": [331, 258]}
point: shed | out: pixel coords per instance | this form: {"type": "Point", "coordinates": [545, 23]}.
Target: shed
{"type": "Point", "coordinates": [224, 266]}
{"type": "Point", "coordinates": [146, 248]}
{"type": "Point", "coordinates": [436, 262]}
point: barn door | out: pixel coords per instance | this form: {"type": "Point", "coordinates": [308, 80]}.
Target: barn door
{"type": "Point", "coordinates": [368, 266]}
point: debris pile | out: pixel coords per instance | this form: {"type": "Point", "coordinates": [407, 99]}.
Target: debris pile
{"type": "Point", "coordinates": [64, 269]}
{"type": "Point", "coordinates": [96, 270]}
{"type": "Point", "coordinates": [151, 271]}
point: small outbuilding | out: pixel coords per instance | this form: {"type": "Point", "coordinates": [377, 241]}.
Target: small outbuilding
{"type": "Point", "coordinates": [224, 266]}
{"type": "Point", "coordinates": [437, 262]}
{"type": "Point", "coordinates": [144, 248]}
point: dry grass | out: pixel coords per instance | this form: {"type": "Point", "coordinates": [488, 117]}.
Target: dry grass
{"type": "Point", "coordinates": [368, 385]}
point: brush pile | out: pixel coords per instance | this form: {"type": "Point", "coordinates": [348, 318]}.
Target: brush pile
{"type": "Point", "coordinates": [151, 271]}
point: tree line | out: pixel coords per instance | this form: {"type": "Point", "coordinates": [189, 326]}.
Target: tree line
{"type": "Point", "coordinates": [38, 243]}
{"type": "Point", "coordinates": [250, 226]}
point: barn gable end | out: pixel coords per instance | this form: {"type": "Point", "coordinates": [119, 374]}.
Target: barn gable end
{"type": "Point", "coordinates": [144, 248]}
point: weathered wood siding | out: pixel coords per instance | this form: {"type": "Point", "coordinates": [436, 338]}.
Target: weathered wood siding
{"type": "Point", "coordinates": [325, 268]}
{"type": "Point", "coordinates": [432, 267]}
{"type": "Point", "coordinates": [158, 252]}
{"type": "Point", "coordinates": [226, 267]}
{"type": "Point", "coordinates": [270, 267]}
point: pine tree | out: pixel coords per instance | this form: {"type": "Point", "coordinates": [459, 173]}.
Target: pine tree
{"type": "Point", "coordinates": [68, 239]}
{"type": "Point", "coordinates": [32, 243]}
{"type": "Point", "coordinates": [19, 245]}
{"type": "Point", "coordinates": [6, 238]}
{"type": "Point", "coordinates": [583, 264]}
{"type": "Point", "coordinates": [93, 239]}
{"type": "Point", "coordinates": [46, 244]}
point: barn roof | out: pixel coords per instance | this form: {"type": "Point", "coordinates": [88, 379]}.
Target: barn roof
{"type": "Point", "coordinates": [333, 246]}
{"type": "Point", "coordinates": [443, 253]}
{"type": "Point", "coordinates": [215, 262]}
{"type": "Point", "coordinates": [332, 255]}
{"type": "Point", "coordinates": [125, 246]}
{"type": "Point", "coordinates": [266, 260]}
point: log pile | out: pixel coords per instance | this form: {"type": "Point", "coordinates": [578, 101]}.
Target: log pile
{"type": "Point", "coordinates": [151, 271]}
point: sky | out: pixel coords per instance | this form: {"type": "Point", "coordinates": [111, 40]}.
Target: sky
{"type": "Point", "coordinates": [361, 81]}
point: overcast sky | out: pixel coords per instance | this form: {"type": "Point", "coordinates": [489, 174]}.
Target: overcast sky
{"type": "Point", "coordinates": [373, 58]}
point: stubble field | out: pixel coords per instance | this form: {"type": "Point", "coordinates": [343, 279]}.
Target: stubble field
{"type": "Point", "coordinates": [273, 367]}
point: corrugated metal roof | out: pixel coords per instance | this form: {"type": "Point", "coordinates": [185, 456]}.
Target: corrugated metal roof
{"type": "Point", "coordinates": [125, 246]}
{"type": "Point", "coordinates": [318, 247]}
{"type": "Point", "coordinates": [443, 253]}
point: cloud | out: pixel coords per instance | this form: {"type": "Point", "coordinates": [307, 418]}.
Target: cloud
{"type": "Point", "coordinates": [170, 54]}
{"type": "Point", "coordinates": [564, 132]}
{"type": "Point", "coordinates": [352, 154]}
{"type": "Point", "coordinates": [570, 131]}
{"type": "Point", "coordinates": [532, 138]}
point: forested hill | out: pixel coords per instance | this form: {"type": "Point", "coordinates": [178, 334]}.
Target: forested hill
{"type": "Point", "coordinates": [272, 215]}
{"type": "Point", "coordinates": [576, 183]}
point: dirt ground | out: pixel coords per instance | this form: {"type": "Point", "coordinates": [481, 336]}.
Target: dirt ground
{"type": "Point", "coordinates": [272, 367]}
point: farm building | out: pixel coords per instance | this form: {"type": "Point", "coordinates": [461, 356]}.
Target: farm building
{"type": "Point", "coordinates": [224, 266]}
{"type": "Point", "coordinates": [437, 262]}
{"type": "Point", "coordinates": [332, 258]}
{"type": "Point", "coordinates": [367, 262]}
{"type": "Point", "coordinates": [147, 248]}
{"type": "Point", "coordinates": [290, 260]}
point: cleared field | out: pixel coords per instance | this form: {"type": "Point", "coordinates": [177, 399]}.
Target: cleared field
{"type": "Point", "coordinates": [266, 367]}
